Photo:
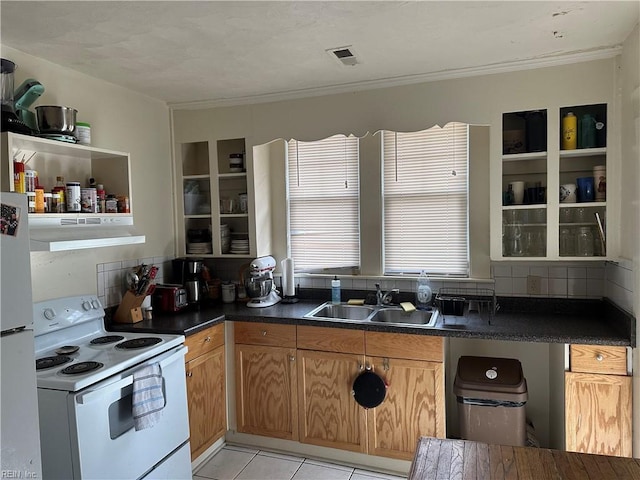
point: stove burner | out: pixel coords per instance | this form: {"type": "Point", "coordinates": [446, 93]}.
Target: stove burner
{"type": "Point", "coordinates": [81, 367]}
{"type": "Point", "coordinates": [106, 339]}
{"type": "Point", "coordinates": [67, 349]}
{"type": "Point", "coordinates": [139, 343]}
{"type": "Point", "coordinates": [48, 362]}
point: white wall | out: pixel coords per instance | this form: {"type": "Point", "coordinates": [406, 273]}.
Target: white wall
{"type": "Point", "coordinates": [625, 280]}
{"type": "Point", "coordinates": [120, 120]}
{"type": "Point", "coordinates": [478, 101]}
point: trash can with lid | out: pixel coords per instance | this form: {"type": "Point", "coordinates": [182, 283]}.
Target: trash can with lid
{"type": "Point", "coordinates": [491, 396]}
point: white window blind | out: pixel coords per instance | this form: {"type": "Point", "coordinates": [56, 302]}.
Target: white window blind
{"type": "Point", "coordinates": [323, 198]}
{"type": "Point", "coordinates": [425, 189]}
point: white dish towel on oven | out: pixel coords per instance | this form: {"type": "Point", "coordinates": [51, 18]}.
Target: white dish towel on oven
{"type": "Point", "coordinates": [148, 397]}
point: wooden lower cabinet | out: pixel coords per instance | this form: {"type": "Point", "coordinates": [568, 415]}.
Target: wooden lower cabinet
{"type": "Point", "coordinates": [206, 392]}
{"type": "Point", "coordinates": [598, 410]}
{"type": "Point", "coordinates": [327, 361]}
{"type": "Point", "coordinates": [413, 407]}
{"type": "Point", "coordinates": [266, 383]}
{"type": "Point", "coordinates": [413, 369]}
{"type": "Point", "coordinates": [329, 415]}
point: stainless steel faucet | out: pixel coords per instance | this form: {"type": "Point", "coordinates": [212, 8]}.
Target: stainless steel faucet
{"type": "Point", "coordinates": [384, 298]}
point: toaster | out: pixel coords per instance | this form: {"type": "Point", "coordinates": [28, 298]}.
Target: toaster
{"type": "Point", "coordinates": [169, 298]}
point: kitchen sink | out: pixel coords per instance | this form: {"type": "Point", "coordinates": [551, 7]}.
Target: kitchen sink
{"type": "Point", "coordinates": [342, 312]}
{"type": "Point", "coordinates": [399, 316]}
{"type": "Point", "coordinates": [363, 313]}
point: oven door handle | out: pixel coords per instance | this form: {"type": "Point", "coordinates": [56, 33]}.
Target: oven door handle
{"type": "Point", "coordinates": [87, 397]}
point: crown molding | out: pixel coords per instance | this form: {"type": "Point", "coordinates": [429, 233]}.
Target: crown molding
{"type": "Point", "coordinates": [505, 67]}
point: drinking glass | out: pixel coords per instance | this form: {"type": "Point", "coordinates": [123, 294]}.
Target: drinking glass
{"type": "Point", "coordinates": [584, 242]}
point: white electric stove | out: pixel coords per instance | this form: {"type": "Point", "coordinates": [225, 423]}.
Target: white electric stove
{"type": "Point", "coordinates": [84, 376]}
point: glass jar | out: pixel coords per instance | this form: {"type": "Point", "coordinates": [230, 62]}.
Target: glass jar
{"type": "Point", "coordinates": [584, 242]}
{"type": "Point", "coordinates": [567, 243]}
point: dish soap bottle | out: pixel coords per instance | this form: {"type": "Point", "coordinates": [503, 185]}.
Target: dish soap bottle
{"type": "Point", "coordinates": [423, 292]}
{"type": "Point", "coordinates": [335, 290]}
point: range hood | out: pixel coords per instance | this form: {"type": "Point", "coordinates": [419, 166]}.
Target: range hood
{"type": "Point", "coordinates": [56, 233]}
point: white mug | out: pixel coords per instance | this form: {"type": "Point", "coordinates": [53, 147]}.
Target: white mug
{"type": "Point", "coordinates": [228, 293]}
{"type": "Point", "coordinates": [568, 193]}
{"type": "Point", "coordinates": [518, 192]}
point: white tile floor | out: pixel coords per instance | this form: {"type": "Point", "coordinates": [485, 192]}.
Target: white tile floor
{"type": "Point", "coordinates": [239, 463]}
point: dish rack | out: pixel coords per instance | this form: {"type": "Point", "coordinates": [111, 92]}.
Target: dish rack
{"type": "Point", "coordinates": [454, 301]}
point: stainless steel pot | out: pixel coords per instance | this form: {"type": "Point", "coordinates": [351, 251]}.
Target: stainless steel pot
{"type": "Point", "coordinates": [53, 119]}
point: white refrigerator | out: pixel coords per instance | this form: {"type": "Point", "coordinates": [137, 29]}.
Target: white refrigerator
{"type": "Point", "coordinates": [20, 440]}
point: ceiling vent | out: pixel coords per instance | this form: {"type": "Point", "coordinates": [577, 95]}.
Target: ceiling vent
{"type": "Point", "coordinates": [344, 55]}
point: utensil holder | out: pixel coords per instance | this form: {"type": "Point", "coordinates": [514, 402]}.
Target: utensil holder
{"type": "Point", "coordinates": [129, 310]}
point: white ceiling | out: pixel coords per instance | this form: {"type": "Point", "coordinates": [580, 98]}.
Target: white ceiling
{"type": "Point", "coordinates": [238, 51]}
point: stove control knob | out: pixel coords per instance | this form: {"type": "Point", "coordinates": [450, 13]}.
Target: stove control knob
{"type": "Point", "coordinates": [49, 313]}
{"type": "Point", "coordinates": [95, 304]}
{"type": "Point", "coordinates": [86, 305]}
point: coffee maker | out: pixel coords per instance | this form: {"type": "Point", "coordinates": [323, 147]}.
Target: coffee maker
{"type": "Point", "coordinates": [259, 283]}
{"type": "Point", "coordinates": [188, 273]}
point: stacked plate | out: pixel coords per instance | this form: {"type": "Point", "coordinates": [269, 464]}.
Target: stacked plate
{"type": "Point", "coordinates": [240, 246]}
{"type": "Point", "coordinates": [199, 248]}
{"type": "Point", "coordinates": [225, 238]}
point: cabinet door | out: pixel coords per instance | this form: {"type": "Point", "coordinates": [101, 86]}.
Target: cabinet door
{"type": "Point", "coordinates": [598, 413]}
{"type": "Point", "coordinates": [206, 395]}
{"type": "Point", "coordinates": [329, 415]}
{"type": "Point", "coordinates": [266, 386]}
{"type": "Point", "coordinates": [413, 407]}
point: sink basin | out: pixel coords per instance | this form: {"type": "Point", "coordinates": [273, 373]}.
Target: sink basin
{"type": "Point", "coordinates": [360, 313]}
{"type": "Point", "coordinates": [399, 316]}
{"type": "Point", "coordinates": [341, 312]}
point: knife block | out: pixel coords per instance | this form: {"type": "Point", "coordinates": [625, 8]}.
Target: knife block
{"type": "Point", "coordinates": [129, 310]}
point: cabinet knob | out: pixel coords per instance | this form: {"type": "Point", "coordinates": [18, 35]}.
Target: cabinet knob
{"type": "Point", "coordinates": [599, 357]}
{"type": "Point", "coordinates": [208, 339]}
{"type": "Point", "coordinates": [264, 333]}
{"type": "Point", "coordinates": [189, 374]}
{"type": "Point", "coordinates": [292, 358]}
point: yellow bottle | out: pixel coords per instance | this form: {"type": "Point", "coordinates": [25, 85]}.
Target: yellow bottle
{"type": "Point", "coordinates": [569, 132]}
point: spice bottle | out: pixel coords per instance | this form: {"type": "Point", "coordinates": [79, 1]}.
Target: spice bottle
{"type": "Point", "coordinates": [39, 207]}
{"type": "Point", "coordinates": [123, 204]}
{"type": "Point", "coordinates": [102, 197]}
{"type": "Point", "coordinates": [30, 180]}
{"type": "Point", "coordinates": [111, 204]}
{"type": "Point", "coordinates": [60, 190]}
{"type": "Point", "coordinates": [72, 195]}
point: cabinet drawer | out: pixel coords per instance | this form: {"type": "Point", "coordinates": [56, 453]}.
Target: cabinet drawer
{"type": "Point", "coordinates": [403, 345]}
{"type": "Point", "coordinates": [204, 341]}
{"type": "Point", "coordinates": [598, 359]}
{"type": "Point", "coordinates": [273, 334]}
{"type": "Point", "coordinates": [326, 339]}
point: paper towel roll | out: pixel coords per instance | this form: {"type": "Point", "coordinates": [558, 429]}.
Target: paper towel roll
{"type": "Point", "coordinates": [288, 280]}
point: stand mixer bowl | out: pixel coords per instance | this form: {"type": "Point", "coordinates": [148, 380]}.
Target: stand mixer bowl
{"type": "Point", "coordinates": [259, 287]}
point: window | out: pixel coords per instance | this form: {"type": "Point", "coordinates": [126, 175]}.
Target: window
{"type": "Point", "coordinates": [425, 201]}
{"type": "Point", "coordinates": [323, 199]}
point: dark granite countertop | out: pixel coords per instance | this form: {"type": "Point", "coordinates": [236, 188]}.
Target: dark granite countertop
{"type": "Point", "coordinates": [518, 319]}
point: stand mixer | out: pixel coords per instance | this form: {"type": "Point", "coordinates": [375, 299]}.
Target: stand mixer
{"type": "Point", "coordinates": [260, 285]}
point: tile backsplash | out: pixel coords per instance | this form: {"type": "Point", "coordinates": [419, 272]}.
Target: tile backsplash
{"type": "Point", "coordinates": [112, 275]}
{"type": "Point", "coordinates": [619, 285]}
{"type": "Point", "coordinates": [553, 279]}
